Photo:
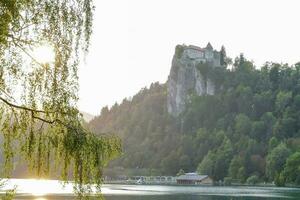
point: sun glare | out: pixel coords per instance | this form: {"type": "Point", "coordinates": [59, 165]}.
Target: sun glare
{"type": "Point", "coordinates": [38, 187]}
{"type": "Point", "coordinates": [43, 54]}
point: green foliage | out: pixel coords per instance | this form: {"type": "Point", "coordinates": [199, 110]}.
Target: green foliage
{"type": "Point", "coordinates": [242, 124]}
{"type": "Point", "coordinates": [282, 100]}
{"type": "Point", "coordinates": [223, 60]}
{"type": "Point", "coordinates": [217, 76]}
{"type": "Point", "coordinates": [276, 160]}
{"type": "Point", "coordinates": [252, 180]}
{"type": "Point", "coordinates": [204, 69]}
{"type": "Point", "coordinates": [207, 164]}
{"type": "Point", "coordinates": [181, 172]}
{"type": "Point", "coordinates": [241, 174]}
{"type": "Point", "coordinates": [222, 160]}
{"type": "Point", "coordinates": [178, 51]}
{"type": "Point", "coordinates": [141, 124]}
{"type": "Point", "coordinates": [273, 142]}
{"type": "Point", "coordinates": [249, 127]}
{"type": "Point", "coordinates": [40, 121]}
{"type": "Point", "coordinates": [227, 181]}
{"type": "Point", "coordinates": [235, 168]}
{"type": "Point", "coordinates": [279, 180]}
{"type": "Point", "coordinates": [9, 194]}
{"type": "Point", "coordinates": [292, 168]}
{"type": "Point", "coordinates": [258, 130]}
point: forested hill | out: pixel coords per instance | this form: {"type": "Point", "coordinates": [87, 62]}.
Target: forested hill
{"type": "Point", "coordinates": [143, 124]}
{"type": "Point", "coordinates": [248, 130]}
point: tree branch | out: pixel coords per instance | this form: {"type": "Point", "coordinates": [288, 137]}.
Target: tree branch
{"type": "Point", "coordinates": [55, 121]}
{"type": "Point", "coordinates": [23, 107]}
{"type": "Point", "coordinates": [37, 117]}
{"type": "Point", "coordinates": [44, 120]}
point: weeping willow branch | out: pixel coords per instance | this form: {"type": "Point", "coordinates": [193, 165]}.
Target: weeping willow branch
{"type": "Point", "coordinates": [28, 54]}
{"type": "Point", "coordinates": [53, 87]}
{"type": "Point", "coordinates": [26, 108]}
{"type": "Point", "coordinates": [33, 111]}
{"type": "Point", "coordinates": [53, 122]}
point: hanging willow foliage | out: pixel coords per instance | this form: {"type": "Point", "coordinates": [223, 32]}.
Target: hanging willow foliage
{"type": "Point", "coordinates": [39, 118]}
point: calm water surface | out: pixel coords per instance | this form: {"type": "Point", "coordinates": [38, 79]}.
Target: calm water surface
{"type": "Point", "coordinates": [50, 190]}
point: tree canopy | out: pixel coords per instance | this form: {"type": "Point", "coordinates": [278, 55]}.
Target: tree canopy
{"type": "Point", "coordinates": [248, 130]}
{"type": "Point", "coordinates": [39, 118]}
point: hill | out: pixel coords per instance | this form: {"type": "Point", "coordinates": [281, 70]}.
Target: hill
{"type": "Point", "coordinates": [247, 129]}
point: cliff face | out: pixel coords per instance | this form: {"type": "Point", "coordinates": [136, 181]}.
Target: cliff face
{"type": "Point", "coordinates": [186, 77]}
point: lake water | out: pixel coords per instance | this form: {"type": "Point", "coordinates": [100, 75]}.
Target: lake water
{"type": "Point", "coordinates": [50, 190]}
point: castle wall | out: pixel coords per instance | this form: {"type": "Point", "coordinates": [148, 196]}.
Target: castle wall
{"type": "Point", "coordinates": [193, 54]}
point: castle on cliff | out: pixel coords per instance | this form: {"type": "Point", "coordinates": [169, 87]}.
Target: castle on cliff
{"type": "Point", "coordinates": [185, 77]}
{"type": "Point", "coordinates": [198, 54]}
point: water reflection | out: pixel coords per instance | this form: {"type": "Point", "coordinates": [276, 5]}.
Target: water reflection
{"type": "Point", "coordinates": [51, 189]}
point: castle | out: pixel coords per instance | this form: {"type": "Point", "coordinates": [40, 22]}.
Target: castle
{"type": "Point", "coordinates": [185, 77]}
{"type": "Point", "coordinates": [197, 54]}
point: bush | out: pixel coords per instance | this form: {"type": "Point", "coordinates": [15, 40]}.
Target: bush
{"type": "Point", "coordinates": [178, 51]}
{"type": "Point", "coordinates": [252, 180]}
{"type": "Point", "coordinates": [279, 180]}
{"type": "Point", "coordinates": [227, 181]}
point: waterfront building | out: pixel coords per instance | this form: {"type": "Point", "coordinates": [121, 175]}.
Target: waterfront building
{"type": "Point", "coordinates": [194, 179]}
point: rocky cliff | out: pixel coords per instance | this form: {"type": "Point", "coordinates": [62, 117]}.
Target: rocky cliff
{"type": "Point", "coordinates": [187, 75]}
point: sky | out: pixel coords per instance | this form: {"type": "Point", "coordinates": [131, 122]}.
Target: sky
{"type": "Point", "coordinates": [134, 40]}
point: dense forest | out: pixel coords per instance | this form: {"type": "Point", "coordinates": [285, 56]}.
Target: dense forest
{"type": "Point", "coordinates": [249, 131]}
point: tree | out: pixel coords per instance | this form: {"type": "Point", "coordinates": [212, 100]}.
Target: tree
{"type": "Point", "coordinates": [292, 168]}
{"type": "Point", "coordinates": [258, 130]}
{"type": "Point", "coordinates": [269, 120]}
{"type": "Point", "coordinates": [235, 164]}
{"type": "Point", "coordinates": [222, 159]}
{"type": "Point", "coordinates": [279, 180]}
{"type": "Point", "coordinates": [274, 76]}
{"type": "Point", "coordinates": [181, 172]}
{"type": "Point", "coordinates": [242, 124]}
{"type": "Point", "coordinates": [262, 103]}
{"type": "Point", "coordinates": [207, 164]}
{"type": "Point", "coordinates": [223, 57]}
{"type": "Point", "coordinates": [178, 51]}
{"type": "Point", "coordinates": [38, 100]}
{"type": "Point", "coordinates": [273, 142]}
{"type": "Point", "coordinates": [242, 174]}
{"type": "Point", "coordinates": [252, 180]}
{"type": "Point", "coordinates": [282, 100]}
{"type": "Point", "coordinates": [285, 127]}
{"type": "Point", "coordinates": [276, 160]}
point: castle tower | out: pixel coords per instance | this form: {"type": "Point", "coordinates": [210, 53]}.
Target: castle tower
{"type": "Point", "coordinates": [209, 52]}
{"type": "Point", "coordinates": [209, 47]}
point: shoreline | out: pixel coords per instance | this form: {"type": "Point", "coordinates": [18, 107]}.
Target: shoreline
{"type": "Point", "coordinates": [271, 185]}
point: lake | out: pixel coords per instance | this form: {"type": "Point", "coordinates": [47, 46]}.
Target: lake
{"type": "Point", "coordinates": [51, 189]}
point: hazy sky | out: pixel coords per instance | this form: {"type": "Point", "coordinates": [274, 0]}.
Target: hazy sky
{"type": "Point", "coordinates": [134, 40]}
